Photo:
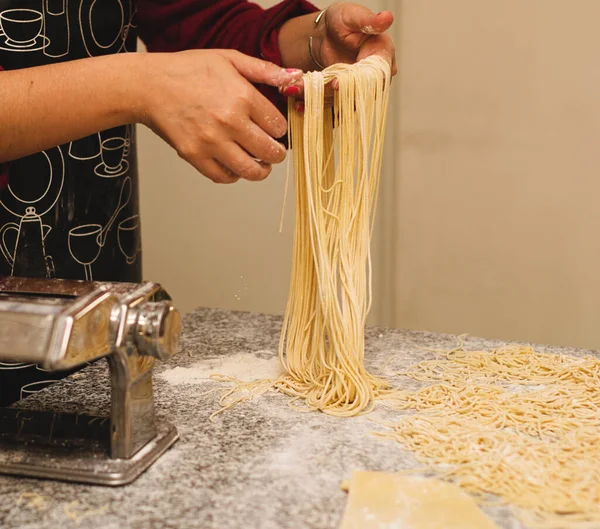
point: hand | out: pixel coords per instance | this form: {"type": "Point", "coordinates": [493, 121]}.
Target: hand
{"type": "Point", "coordinates": [351, 32]}
{"type": "Point", "coordinates": [346, 33]}
{"type": "Point", "coordinates": [203, 104]}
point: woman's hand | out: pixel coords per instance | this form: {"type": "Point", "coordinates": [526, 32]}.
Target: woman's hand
{"type": "Point", "coordinates": [346, 33]}
{"type": "Point", "coordinates": [203, 104]}
{"type": "Point", "coordinates": [350, 33]}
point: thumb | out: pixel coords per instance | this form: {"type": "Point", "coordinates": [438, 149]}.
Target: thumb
{"type": "Point", "coordinates": [262, 72]}
{"type": "Point", "coordinates": [361, 19]}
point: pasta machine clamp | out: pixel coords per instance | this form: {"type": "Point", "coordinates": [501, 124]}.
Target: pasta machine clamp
{"type": "Point", "coordinates": [61, 325]}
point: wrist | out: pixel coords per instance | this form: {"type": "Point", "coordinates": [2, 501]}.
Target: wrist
{"type": "Point", "coordinates": [294, 41]}
{"type": "Point", "coordinates": [133, 92]}
{"type": "Point", "coordinates": [315, 42]}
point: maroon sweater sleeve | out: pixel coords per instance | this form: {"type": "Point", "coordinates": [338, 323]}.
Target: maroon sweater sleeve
{"type": "Point", "coordinates": [3, 166]}
{"type": "Point", "coordinates": [175, 25]}
{"type": "Point", "coordinates": [3, 175]}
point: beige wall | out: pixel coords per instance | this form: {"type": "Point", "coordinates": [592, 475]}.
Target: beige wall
{"type": "Point", "coordinates": [488, 218]}
{"type": "Point", "coordinates": [498, 196]}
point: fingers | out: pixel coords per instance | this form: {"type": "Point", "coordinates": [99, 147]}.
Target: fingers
{"type": "Point", "coordinates": [361, 19]}
{"type": "Point", "coordinates": [259, 144]}
{"type": "Point", "coordinates": [292, 91]}
{"type": "Point", "coordinates": [381, 45]}
{"type": "Point", "coordinates": [240, 163]}
{"type": "Point", "coordinates": [265, 115]}
{"type": "Point", "coordinates": [230, 165]}
{"type": "Point", "coordinates": [379, 23]}
{"type": "Point", "coordinates": [297, 91]}
{"type": "Point", "coordinates": [263, 72]}
{"type": "Point", "coordinates": [217, 172]}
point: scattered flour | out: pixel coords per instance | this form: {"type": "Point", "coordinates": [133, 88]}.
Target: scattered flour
{"type": "Point", "coordinates": [243, 366]}
{"type": "Point", "coordinates": [300, 445]}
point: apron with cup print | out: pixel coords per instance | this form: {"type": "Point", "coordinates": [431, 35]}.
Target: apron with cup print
{"type": "Point", "coordinates": [72, 211]}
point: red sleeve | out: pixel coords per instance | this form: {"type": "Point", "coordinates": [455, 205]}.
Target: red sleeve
{"type": "Point", "coordinates": [3, 176]}
{"type": "Point", "coordinates": [3, 166]}
{"type": "Point", "coordinates": [175, 25]}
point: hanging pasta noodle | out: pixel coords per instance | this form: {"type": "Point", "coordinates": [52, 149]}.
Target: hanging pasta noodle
{"type": "Point", "coordinates": [337, 158]}
{"type": "Point", "coordinates": [337, 164]}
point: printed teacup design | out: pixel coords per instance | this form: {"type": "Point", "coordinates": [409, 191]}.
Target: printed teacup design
{"type": "Point", "coordinates": [21, 26]}
{"type": "Point", "coordinates": [113, 152]}
{"type": "Point", "coordinates": [21, 30]}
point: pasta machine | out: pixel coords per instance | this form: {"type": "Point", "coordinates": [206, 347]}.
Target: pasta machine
{"type": "Point", "coordinates": [60, 325]}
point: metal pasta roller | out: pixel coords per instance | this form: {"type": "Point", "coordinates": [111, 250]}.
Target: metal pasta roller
{"type": "Point", "coordinates": [60, 325]}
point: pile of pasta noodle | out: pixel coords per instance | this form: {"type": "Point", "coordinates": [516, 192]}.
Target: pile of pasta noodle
{"type": "Point", "coordinates": [515, 423]}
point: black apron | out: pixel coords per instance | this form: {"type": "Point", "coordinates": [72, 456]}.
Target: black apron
{"type": "Point", "coordinates": [69, 212]}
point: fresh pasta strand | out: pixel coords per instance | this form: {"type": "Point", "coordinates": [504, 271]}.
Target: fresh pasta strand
{"type": "Point", "coordinates": [337, 157]}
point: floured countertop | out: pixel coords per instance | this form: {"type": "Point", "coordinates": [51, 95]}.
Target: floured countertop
{"type": "Point", "coordinates": [259, 465]}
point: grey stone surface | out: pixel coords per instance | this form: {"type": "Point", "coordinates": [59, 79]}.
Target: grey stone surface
{"type": "Point", "coordinates": [260, 465]}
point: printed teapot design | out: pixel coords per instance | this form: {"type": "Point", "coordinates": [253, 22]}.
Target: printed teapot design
{"type": "Point", "coordinates": [27, 257]}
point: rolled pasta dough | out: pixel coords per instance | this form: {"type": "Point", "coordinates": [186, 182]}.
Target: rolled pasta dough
{"type": "Point", "coordinates": [379, 500]}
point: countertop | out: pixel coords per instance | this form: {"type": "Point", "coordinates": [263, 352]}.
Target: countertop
{"type": "Point", "coordinates": [259, 465]}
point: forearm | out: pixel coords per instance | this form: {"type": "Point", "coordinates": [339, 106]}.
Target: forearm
{"type": "Point", "coordinates": [293, 41]}
{"type": "Point", "coordinates": [50, 105]}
